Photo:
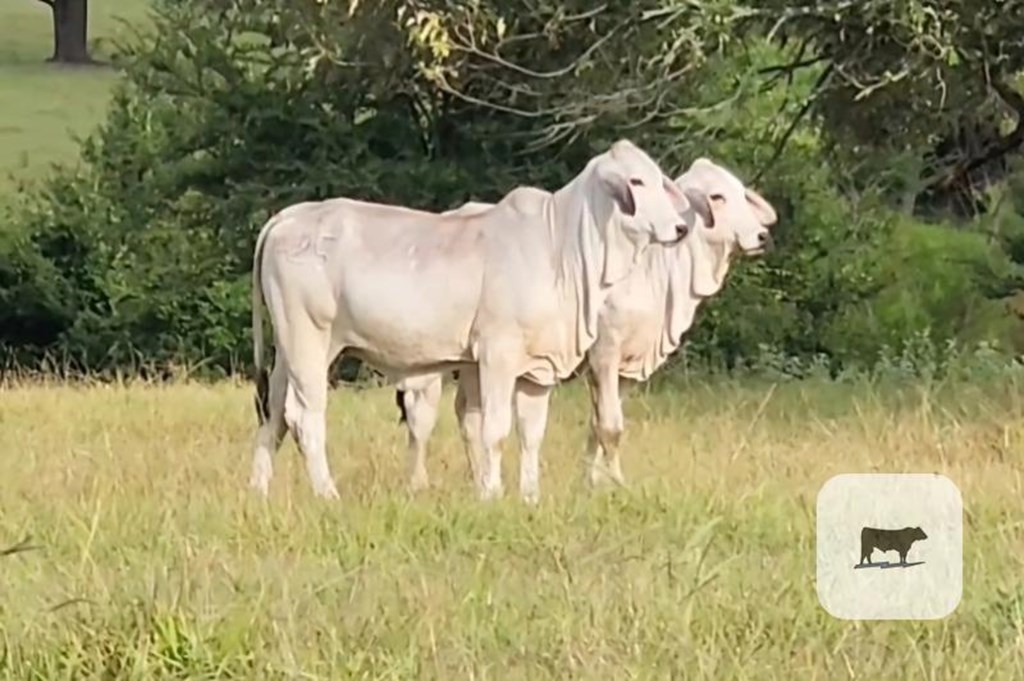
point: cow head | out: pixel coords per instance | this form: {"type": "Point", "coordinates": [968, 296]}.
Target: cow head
{"type": "Point", "coordinates": [734, 219]}
{"type": "Point", "coordinates": [741, 218]}
{"type": "Point", "coordinates": [652, 208]}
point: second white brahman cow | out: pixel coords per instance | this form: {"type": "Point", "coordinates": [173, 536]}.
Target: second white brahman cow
{"type": "Point", "coordinates": [641, 323]}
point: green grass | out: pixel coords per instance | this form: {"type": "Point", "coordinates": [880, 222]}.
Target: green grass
{"type": "Point", "coordinates": [43, 106]}
{"type": "Point", "coordinates": [156, 562]}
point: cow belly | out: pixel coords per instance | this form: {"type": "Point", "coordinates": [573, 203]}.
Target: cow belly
{"type": "Point", "coordinates": [396, 340]}
{"type": "Point", "coordinates": [637, 331]}
{"type": "Point", "coordinates": [549, 343]}
{"type": "Point", "coordinates": [400, 322]}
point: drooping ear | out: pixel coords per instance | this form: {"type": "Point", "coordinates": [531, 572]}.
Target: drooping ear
{"type": "Point", "coordinates": [618, 188]}
{"type": "Point", "coordinates": [703, 283]}
{"type": "Point", "coordinates": [621, 249]}
{"type": "Point", "coordinates": [764, 210]}
{"type": "Point", "coordinates": [701, 204]}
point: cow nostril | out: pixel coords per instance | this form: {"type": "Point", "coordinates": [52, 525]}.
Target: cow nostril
{"type": "Point", "coordinates": [682, 231]}
{"type": "Point", "coordinates": [762, 238]}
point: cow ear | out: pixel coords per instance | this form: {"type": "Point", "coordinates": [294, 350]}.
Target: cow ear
{"type": "Point", "coordinates": [617, 186]}
{"type": "Point", "coordinates": [702, 267]}
{"type": "Point", "coordinates": [701, 204]}
{"type": "Point", "coordinates": [624, 197]}
{"type": "Point", "coordinates": [763, 209]}
{"type": "Point", "coordinates": [680, 202]}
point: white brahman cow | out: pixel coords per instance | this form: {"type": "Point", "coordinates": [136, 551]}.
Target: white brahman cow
{"type": "Point", "coordinates": [511, 291]}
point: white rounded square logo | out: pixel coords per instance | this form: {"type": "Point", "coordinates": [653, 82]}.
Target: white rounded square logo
{"type": "Point", "coordinates": [890, 546]}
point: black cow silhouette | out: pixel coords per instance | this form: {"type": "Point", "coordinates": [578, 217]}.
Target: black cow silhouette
{"type": "Point", "coordinates": [872, 538]}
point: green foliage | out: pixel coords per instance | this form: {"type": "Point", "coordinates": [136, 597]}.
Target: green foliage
{"type": "Point", "coordinates": [921, 96]}
{"type": "Point", "coordinates": [228, 111]}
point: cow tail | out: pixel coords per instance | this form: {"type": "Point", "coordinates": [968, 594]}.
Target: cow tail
{"type": "Point", "coordinates": [261, 375]}
{"type": "Point", "coordinates": [400, 401]}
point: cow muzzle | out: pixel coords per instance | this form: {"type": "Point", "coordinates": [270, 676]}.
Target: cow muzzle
{"type": "Point", "coordinates": [680, 231]}
{"type": "Point", "coordinates": [765, 244]}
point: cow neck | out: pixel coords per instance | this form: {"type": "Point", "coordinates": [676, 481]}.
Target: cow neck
{"type": "Point", "coordinates": [579, 220]}
{"type": "Point", "coordinates": [682, 300]}
{"type": "Point", "coordinates": [710, 263]}
{"type": "Point", "coordinates": [668, 275]}
{"type": "Point", "coordinates": [663, 277]}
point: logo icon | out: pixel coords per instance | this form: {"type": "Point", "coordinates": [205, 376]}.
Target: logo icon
{"type": "Point", "coordinates": [875, 561]}
{"type": "Point", "coordinates": [872, 538]}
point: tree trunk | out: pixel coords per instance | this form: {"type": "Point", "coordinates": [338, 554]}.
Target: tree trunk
{"type": "Point", "coordinates": [70, 24]}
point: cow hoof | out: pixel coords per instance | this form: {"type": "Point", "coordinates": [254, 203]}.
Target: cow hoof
{"type": "Point", "coordinates": [260, 485]}
{"type": "Point", "coordinates": [491, 493]}
{"type": "Point", "coordinates": [419, 484]}
{"type": "Point", "coordinates": [600, 479]}
{"type": "Point", "coordinates": [327, 491]}
{"type": "Point", "coordinates": [597, 480]}
{"type": "Point", "coordinates": [531, 497]}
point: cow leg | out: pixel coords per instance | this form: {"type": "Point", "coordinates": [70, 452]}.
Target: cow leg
{"type": "Point", "coordinates": [532, 415]}
{"type": "Point", "coordinates": [421, 415]}
{"type": "Point", "coordinates": [617, 428]}
{"type": "Point", "coordinates": [497, 387]}
{"type": "Point", "coordinates": [594, 460]}
{"type": "Point", "coordinates": [271, 432]}
{"type": "Point", "coordinates": [608, 419]}
{"type": "Point", "coordinates": [310, 352]}
{"type": "Point", "coordinates": [469, 414]}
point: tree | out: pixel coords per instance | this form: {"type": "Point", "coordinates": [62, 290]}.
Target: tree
{"type": "Point", "coordinates": [70, 27]}
{"type": "Point", "coordinates": [138, 258]}
{"type": "Point", "coordinates": [924, 92]}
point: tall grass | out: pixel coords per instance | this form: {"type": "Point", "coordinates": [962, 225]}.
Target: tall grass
{"type": "Point", "coordinates": [152, 560]}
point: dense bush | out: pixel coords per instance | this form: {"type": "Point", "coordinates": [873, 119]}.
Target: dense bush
{"type": "Point", "coordinates": [229, 111]}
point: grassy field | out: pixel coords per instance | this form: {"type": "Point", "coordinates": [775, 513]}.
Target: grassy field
{"type": "Point", "coordinates": [154, 561]}
{"type": "Point", "coordinates": [43, 106]}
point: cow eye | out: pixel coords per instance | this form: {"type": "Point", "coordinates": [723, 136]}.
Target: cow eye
{"type": "Point", "coordinates": [718, 197]}
{"type": "Point", "coordinates": [636, 182]}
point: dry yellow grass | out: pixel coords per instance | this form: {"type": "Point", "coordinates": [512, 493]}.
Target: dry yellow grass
{"type": "Point", "coordinates": [155, 561]}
